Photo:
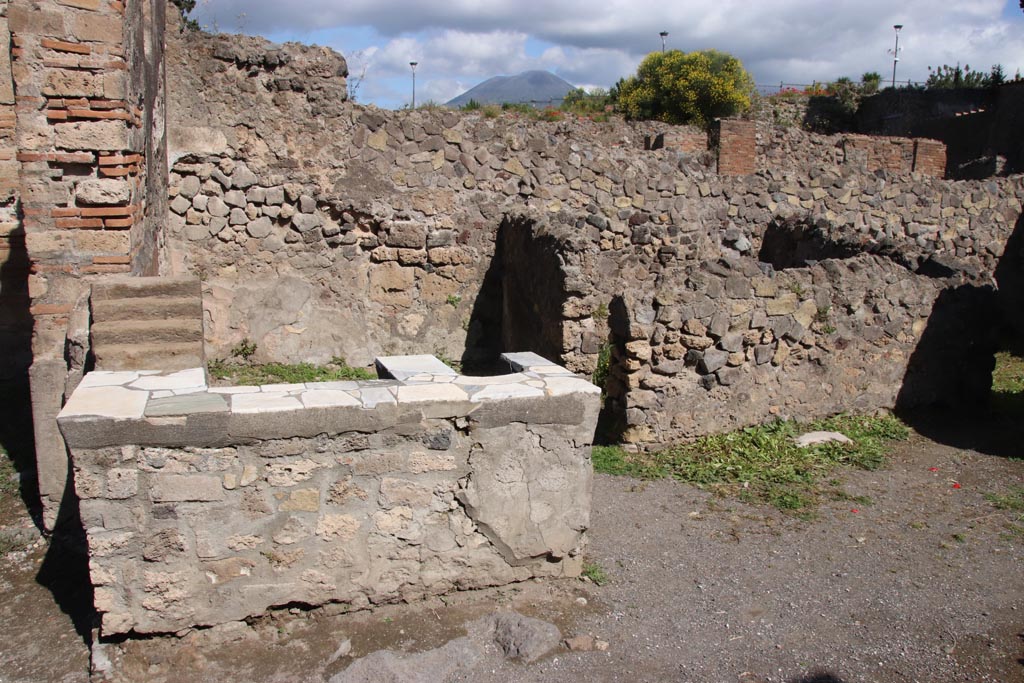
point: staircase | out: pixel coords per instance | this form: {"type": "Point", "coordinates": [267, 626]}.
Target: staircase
{"type": "Point", "coordinates": [147, 323]}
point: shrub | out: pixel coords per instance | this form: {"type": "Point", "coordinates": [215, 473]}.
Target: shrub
{"type": "Point", "coordinates": [680, 87]}
{"type": "Point", "coordinates": [945, 77]}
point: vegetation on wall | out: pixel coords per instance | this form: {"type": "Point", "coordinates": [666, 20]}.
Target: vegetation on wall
{"type": "Point", "coordinates": [685, 87]}
{"type": "Point", "coordinates": [186, 7]}
{"type": "Point", "coordinates": [948, 77]}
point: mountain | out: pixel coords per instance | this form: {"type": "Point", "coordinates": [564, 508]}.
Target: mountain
{"type": "Point", "coordinates": [537, 87]}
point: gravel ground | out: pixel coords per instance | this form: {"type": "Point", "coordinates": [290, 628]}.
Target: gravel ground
{"type": "Point", "coordinates": [921, 583]}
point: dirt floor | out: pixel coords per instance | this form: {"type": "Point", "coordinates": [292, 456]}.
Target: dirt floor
{"type": "Point", "coordinates": [919, 581]}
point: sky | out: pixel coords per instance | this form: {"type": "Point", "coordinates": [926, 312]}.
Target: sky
{"type": "Point", "coordinates": [594, 43]}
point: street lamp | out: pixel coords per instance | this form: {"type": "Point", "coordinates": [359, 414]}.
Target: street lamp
{"type": "Point", "coordinates": [895, 52]}
{"type": "Point", "coordinates": [664, 35]}
{"type": "Point", "coordinates": [413, 66]}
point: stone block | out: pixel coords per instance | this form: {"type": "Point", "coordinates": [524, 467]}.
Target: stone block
{"type": "Point", "coordinates": [406, 234]}
{"type": "Point", "coordinates": [99, 28]}
{"type": "Point", "coordinates": [103, 191]}
{"type": "Point", "coordinates": [180, 488]}
{"type": "Point", "coordinates": [108, 136]}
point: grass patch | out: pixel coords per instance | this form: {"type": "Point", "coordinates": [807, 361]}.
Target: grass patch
{"type": "Point", "coordinates": [595, 573]}
{"type": "Point", "coordinates": [249, 374]}
{"type": "Point", "coordinates": [1008, 385]}
{"type": "Point", "coordinates": [1008, 375]}
{"type": "Point", "coordinates": [8, 474]}
{"type": "Point", "coordinates": [1011, 500]}
{"type": "Point", "coordinates": [763, 464]}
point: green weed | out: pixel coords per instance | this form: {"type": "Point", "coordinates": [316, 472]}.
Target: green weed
{"type": "Point", "coordinates": [1011, 500]}
{"type": "Point", "coordinates": [250, 374]}
{"type": "Point", "coordinates": [453, 300]}
{"type": "Point", "coordinates": [245, 349]}
{"type": "Point", "coordinates": [763, 463]}
{"type": "Point", "coordinates": [8, 475]}
{"type": "Point", "coordinates": [595, 573]}
{"type": "Point", "coordinates": [604, 364]}
{"type": "Point", "coordinates": [1008, 375]}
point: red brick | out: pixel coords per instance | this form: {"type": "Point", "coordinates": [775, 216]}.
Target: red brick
{"type": "Point", "coordinates": [119, 159]}
{"type": "Point", "coordinates": [117, 171]}
{"type": "Point", "coordinates": [104, 211]}
{"type": "Point", "coordinates": [91, 114]}
{"type": "Point", "coordinates": [112, 259]}
{"type": "Point", "coordinates": [64, 46]}
{"type": "Point", "coordinates": [51, 268]}
{"type": "Point", "coordinates": [88, 223]}
{"type": "Point", "coordinates": [118, 223]}
{"type": "Point", "coordinates": [107, 268]}
{"type": "Point", "coordinates": [65, 212]}
{"type": "Point", "coordinates": [50, 309]}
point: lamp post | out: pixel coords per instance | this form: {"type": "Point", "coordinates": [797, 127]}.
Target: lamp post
{"type": "Point", "coordinates": [664, 35]}
{"type": "Point", "coordinates": [413, 66]}
{"type": "Point", "coordinates": [895, 54]}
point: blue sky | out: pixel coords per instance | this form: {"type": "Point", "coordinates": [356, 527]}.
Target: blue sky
{"type": "Point", "coordinates": [459, 43]}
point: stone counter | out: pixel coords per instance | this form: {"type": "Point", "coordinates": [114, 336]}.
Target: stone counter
{"type": "Point", "coordinates": [204, 505]}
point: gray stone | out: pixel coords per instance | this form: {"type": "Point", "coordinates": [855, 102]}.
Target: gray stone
{"type": "Point", "coordinates": [813, 438]}
{"type": "Point", "coordinates": [186, 404]}
{"type": "Point", "coordinates": [275, 196]}
{"type": "Point", "coordinates": [259, 228]}
{"type": "Point", "coordinates": [180, 205]}
{"type": "Point", "coordinates": [189, 186]}
{"type": "Point", "coordinates": [235, 198]}
{"type": "Point", "coordinates": [238, 217]}
{"type": "Point", "coordinates": [304, 222]}
{"type": "Point", "coordinates": [763, 353]}
{"type": "Point", "coordinates": [243, 177]}
{"type": "Point", "coordinates": [712, 360]}
{"type": "Point", "coordinates": [307, 204]}
{"type": "Point", "coordinates": [731, 342]}
{"type": "Point", "coordinates": [524, 638]}
{"type": "Point", "coordinates": [216, 207]}
{"type": "Point", "coordinates": [719, 325]}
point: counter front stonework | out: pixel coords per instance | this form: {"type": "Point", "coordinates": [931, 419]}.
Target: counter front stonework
{"type": "Point", "coordinates": [204, 505]}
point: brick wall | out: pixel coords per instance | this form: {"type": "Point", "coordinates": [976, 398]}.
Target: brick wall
{"type": "Point", "coordinates": [737, 146]}
{"type": "Point", "coordinates": [80, 137]}
{"type": "Point", "coordinates": [930, 158]}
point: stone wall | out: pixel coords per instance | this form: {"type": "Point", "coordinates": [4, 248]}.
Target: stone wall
{"type": "Point", "coordinates": [85, 81]}
{"type": "Point", "coordinates": [207, 505]}
{"type": "Point", "coordinates": [357, 231]}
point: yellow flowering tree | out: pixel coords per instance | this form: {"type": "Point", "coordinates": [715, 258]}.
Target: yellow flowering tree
{"type": "Point", "coordinates": [686, 87]}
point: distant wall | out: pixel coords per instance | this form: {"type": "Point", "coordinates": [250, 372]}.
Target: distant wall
{"type": "Point", "coordinates": [980, 127]}
{"type": "Point", "coordinates": [357, 231]}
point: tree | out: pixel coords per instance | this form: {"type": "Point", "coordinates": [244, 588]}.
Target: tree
{"type": "Point", "coordinates": [185, 7]}
{"type": "Point", "coordinates": [946, 76]}
{"type": "Point", "coordinates": [685, 87]}
{"type": "Point", "coordinates": [870, 82]}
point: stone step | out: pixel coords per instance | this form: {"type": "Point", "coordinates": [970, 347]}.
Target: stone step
{"type": "Point", "coordinates": [125, 287]}
{"type": "Point", "coordinates": [148, 331]}
{"type": "Point", "coordinates": [147, 308]}
{"type": "Point", "coordinates": [166, 356]}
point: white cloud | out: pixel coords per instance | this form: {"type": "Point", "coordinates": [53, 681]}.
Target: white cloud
{"type": "Point", "coordinates": [466, 41]}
